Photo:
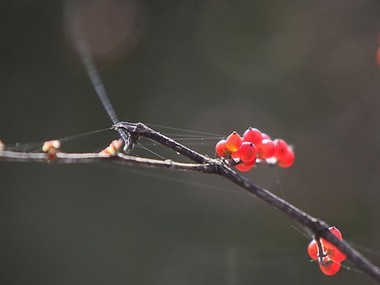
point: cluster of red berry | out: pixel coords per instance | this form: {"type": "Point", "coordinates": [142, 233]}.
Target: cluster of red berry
{"type": "Point", "coordinates": [331, 257]}
{"type": "Point", "coordinates": [254, 146]}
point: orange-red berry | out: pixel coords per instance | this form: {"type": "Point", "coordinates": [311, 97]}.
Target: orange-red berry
{"type": "Point", "coordinates": [281, 148]}
{"type": "Point", "coordinates": [334, 253]}
{"type": "Point", "coordinates": [245, 166]}
{"type": "Point", "coordinates": [336, 232]}
{"type": "Point", "coordinates": [221, 149]}
{"type": "Point", "coordinates": [331, 250]}
{"type": "Point", "coordinates": [252, 135]}
{"type": "Point", "coordinates": [233, 142]}
{"type": "Point", "coordinates": [329, 267]}
{"type": "Point", "coordinates": [247, 152]}
{"type": "Point", "coordinates": [313, 250]}
{"type": "Point", "coordinates": [265, 149]}
{"type": "Point", "coordinates": [287, 160]}
{"type": "Point", "coordinates": [331, 257]}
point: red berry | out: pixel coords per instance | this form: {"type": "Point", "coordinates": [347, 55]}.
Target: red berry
{"type": "Point", "coordinates": [331, 257]}
{"type": "Point", "coordinates": [221, 148]}
{"type": "Point", "coordinates": [247, 152]}
{"type": "Point", "coordinates": [313, 250]}
{"type": "Point", "coordinates": [233, 142]}
{"type": "Point", "coordinates": [331, 250]}
{"type": "Point", "coordinates": [265, 149]}
{"type": "Point", "coordinates": [265, 136]}
{"type": "Point", "coordinates": [281, 148]}
{"type": "Point", "coordinates": [328, 266]}
{"type": "Point", "coordinates": [336, 232]}
{"type": "Point", "coordinates": [334, 253]}
{"type": "Point", "coordinates": [252, 135]}
{"type": "Point", "coordinates": [245, 166]}
{"type": "Point", "coordinates": [287, 160]}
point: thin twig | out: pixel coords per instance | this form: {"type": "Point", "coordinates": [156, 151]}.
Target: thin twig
{"type": "Point", "coordinates": [88, 158]}
{"type": "Point", "coordinates": [206, 165]}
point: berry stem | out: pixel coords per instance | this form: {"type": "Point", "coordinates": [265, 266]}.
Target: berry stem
{"type": "Point", "coordinates": [321, 253]}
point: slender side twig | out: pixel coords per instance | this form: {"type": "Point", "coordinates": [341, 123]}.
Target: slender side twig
{"type": "Point", "coordinates": [206, 165]}
{"type": "Point", "coordinates": [88, 158]}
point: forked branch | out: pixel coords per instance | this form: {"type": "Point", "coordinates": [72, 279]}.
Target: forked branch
{"type": "Point", "coordinates": [203, 164]}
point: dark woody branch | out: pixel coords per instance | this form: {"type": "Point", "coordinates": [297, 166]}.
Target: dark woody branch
{"type": "Point", "coordinates": [204, 164]}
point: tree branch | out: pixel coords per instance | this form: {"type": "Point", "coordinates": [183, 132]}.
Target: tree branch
{"type": "Point", "coordinates": [202, 164]}
{"type": "Point", "coordinates": [89, 158]}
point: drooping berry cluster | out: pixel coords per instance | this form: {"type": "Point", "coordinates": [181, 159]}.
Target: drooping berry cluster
{"type": "Point", "coordinates": [330, 257]}
{"type": "Point", "coordinates": [252, 147]}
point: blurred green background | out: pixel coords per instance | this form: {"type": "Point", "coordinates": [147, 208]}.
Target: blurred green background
{"type": "Point", "coordinates": [304, 71]}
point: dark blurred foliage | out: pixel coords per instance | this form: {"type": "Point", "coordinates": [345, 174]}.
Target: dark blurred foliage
{"type": "Point", "coordinates": [301, 70]}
